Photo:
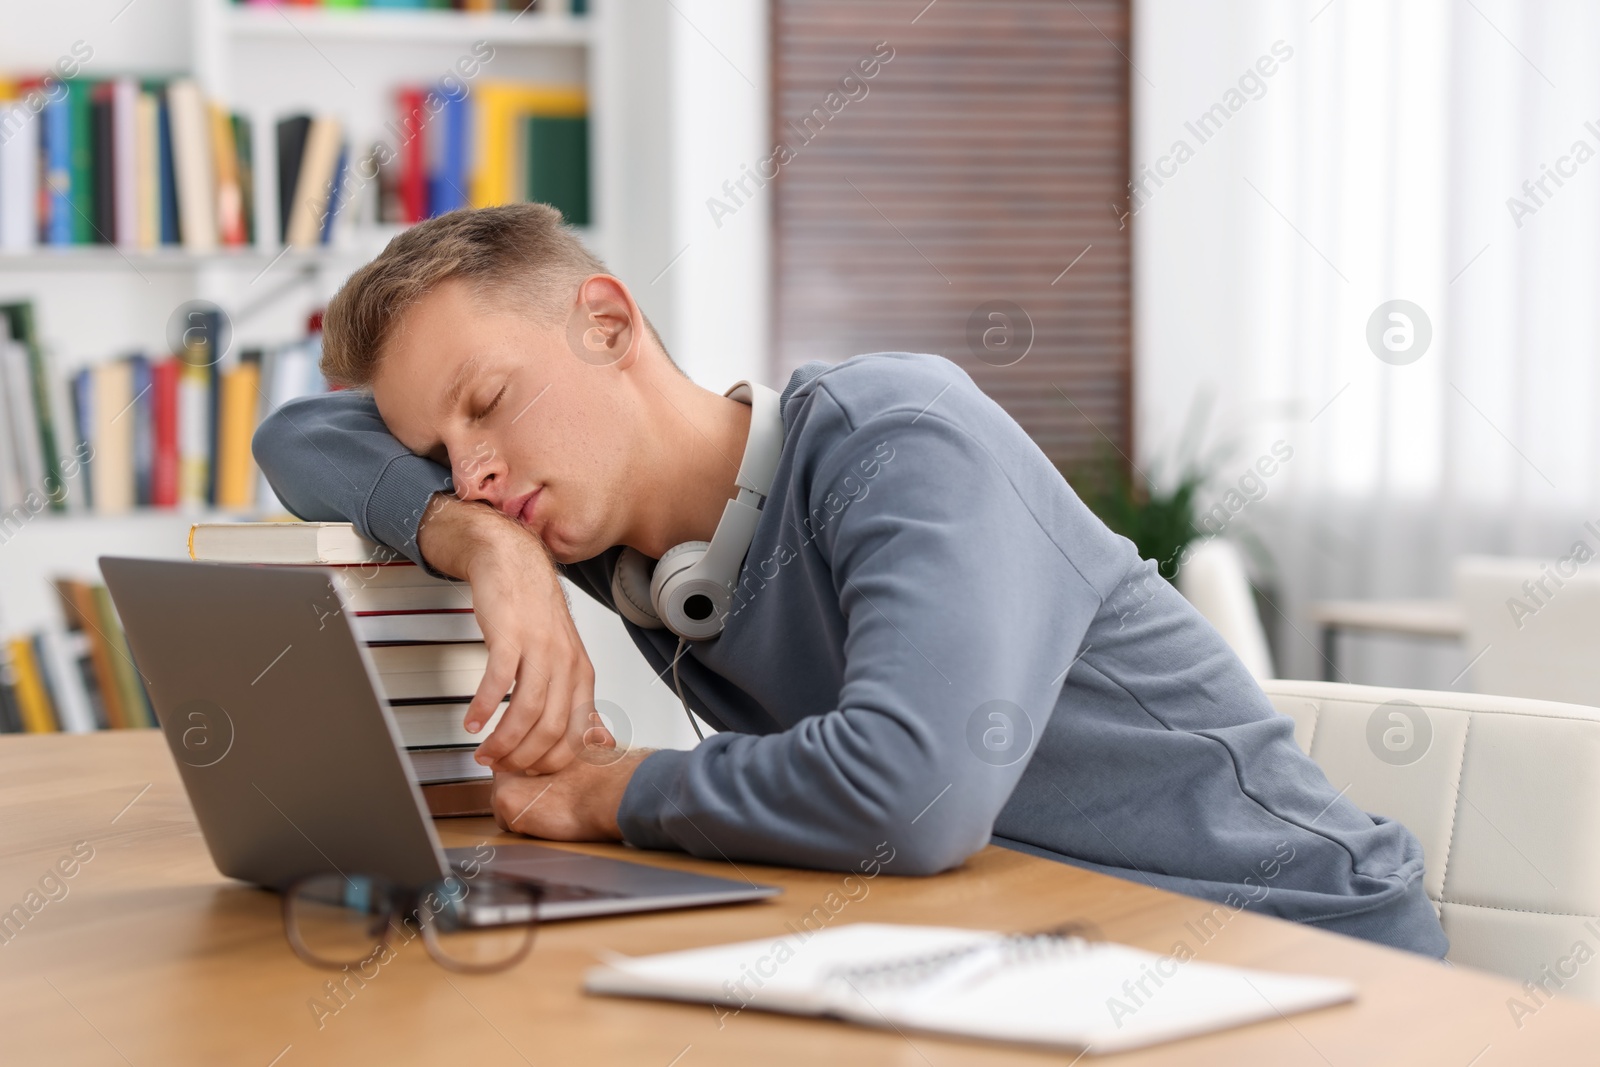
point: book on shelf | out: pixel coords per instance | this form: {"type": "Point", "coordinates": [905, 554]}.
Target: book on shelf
{"type": "Point", "coordinates": [33, 471]}
{"type": "Point", "coordinates": [34, 707]}
{"type": "Point", "coordinates": [19, 176]}
{"type": "Point", "coordinates": [422, 638]}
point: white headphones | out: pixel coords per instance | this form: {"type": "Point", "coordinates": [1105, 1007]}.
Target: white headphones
{"type": "Point", "coordinates": [690, 590]}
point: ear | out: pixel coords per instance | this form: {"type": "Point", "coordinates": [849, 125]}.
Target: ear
{"type": "Point", "coordinates": [605, 327]}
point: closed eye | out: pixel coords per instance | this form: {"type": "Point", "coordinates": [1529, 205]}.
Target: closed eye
{"type": "Point", "coordinates": [489, 408]}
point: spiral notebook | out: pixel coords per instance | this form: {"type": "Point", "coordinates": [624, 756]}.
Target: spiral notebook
{"type": "Point", "coordinates": [1053, 989]}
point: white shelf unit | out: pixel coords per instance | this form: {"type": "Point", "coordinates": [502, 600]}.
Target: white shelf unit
{"type": "Point", "coordinates": [677, 103]}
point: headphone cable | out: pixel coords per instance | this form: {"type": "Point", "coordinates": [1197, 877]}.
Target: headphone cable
{"type": "Point", "coordinates": [683, 643]}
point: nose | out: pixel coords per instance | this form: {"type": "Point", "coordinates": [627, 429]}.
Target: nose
{"type": "Point", "coordinates": [480, 475]}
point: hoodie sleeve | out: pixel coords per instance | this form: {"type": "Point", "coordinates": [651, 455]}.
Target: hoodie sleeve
{"type": "Point", "coordinates": [330, 458]}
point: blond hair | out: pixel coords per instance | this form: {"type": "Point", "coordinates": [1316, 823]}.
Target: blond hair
{"type": "Point", "coordinates": [520, 249]}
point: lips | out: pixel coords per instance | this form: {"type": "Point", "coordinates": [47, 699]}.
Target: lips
{"type": "Point", "coordinates": [525, 506]}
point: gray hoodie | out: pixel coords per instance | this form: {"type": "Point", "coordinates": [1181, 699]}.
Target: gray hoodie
{"type": "Point", "coordinates": [935, 645]}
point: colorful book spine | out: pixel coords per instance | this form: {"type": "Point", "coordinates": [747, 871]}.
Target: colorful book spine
{"type": "Point", "coordinates": [135, 704]}
{"type": "Point", "coordinates": [164, 423]}
{"type": "Point", "coordinates": [38, 715]}
{"type": "Point", "coordinates": [146, 195]}
{"type": "Point", "coordinates": [225, 169]}
{"type": "Point", "coordinates": [83, 612]}
{"type": "Point", "coordinates": [19, 177]}
{"type": "Point", "coordinates": [83, 416]}
{"type": "Point", "coordinates": [80, 155]}
{"type": "Point", "coordinates": [170, 229]}
{"type": "Point", "coordinates": [57, 149]}
{"type": "Point", "coordinates": [413, 158]}
{"type": "Point", "coordinates": [18, 319]}
{"type": "Point", "coordinates": [140, 411]}
{"type": "Point", "coordinates": [102, 160]}
{"type": "Point", "coordinates": [113, 429]}
{"type": "Point", "coordinates": [194, 433]}
{"type": "Point", "coordinates": [236, 472]}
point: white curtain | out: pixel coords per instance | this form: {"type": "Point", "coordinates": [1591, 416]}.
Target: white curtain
{"type": "Point", "coordinates": [1352, 153]}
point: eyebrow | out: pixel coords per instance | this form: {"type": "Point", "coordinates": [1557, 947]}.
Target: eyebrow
{"type": "Point", "coordinates": [452, 395]}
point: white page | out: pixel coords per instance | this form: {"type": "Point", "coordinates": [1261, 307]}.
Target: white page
{"type": "Point", "coordinates": [1102, 996]}
{"type": "Point", "coordinates": [775, 974]}
{"type": "Point", "coordinates": [1058, 995]}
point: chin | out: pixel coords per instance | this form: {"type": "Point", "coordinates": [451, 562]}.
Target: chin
{"type": "Point", "coordinates": [560, 549]}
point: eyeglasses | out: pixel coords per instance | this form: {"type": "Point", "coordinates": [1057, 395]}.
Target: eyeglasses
{"type": "Point", "coordinates": [473, 924]}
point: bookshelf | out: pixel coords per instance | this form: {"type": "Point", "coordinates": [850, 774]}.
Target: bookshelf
{"type": "Point", "coordinates": [94, 303]}
{"type": "Point", "coordinates": [669, 120]}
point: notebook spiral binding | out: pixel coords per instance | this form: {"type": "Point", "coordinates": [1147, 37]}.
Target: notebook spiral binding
{"type": "Point", "coordinates": [1066, 939]}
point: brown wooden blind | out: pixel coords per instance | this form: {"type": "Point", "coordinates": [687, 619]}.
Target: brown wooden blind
{"type": "Point", "coordinates": [984, 158]}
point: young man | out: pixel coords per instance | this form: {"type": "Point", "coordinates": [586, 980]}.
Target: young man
{"type": "Point", "coordinates": [934, 644]}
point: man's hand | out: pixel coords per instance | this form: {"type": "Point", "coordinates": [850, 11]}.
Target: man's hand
{"type": "Point", "coordinates": [517, 597]}
{"type": "Point", "coordinates": [578, 803]}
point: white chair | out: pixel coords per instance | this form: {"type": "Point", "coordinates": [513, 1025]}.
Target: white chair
{"type": "Point", "coordinates": [1213, 579]}
{"type": "Point", "coordinates": [1503, 793]}
{"type": "Point", "coordinates": [1534, 626]}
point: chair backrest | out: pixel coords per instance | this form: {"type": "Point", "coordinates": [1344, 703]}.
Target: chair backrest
{"type": "Point", "coordinates": [1213, 579]}
{"type": "Point", "coordinates": [1534, 626]}
{"type": "Point", "coordinates": [1503, 793]}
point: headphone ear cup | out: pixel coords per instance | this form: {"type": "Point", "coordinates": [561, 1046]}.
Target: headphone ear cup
{"type": "Point", "coordinates": [674, 561]}
{"type": "Point", "coordinates": [690, 602]}
{"type": "Point", "coordinates": [630, 590]}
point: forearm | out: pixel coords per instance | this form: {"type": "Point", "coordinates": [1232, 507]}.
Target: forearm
{"type": "Point", "coordinates": [455, 535]}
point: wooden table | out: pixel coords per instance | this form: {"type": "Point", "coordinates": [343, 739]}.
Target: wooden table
{"type": "Point", "coordinates": [153, 958]}
{"type": "Point", "coordinates": [1442, 619]}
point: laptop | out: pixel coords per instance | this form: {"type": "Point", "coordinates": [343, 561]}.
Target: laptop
{"type": "Point", "coordinates": [292, 760]}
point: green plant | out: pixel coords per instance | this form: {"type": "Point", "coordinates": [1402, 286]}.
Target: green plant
{"type": "Point", "coordinates": [1160, 522]}
{"type": "Point", "coordinates": [1157, 516]}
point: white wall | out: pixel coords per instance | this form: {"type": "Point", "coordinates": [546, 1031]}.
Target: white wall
{"type": "Point", "coordinates": [722, 283]}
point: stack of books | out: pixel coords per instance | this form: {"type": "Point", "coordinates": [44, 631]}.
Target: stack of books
{"type": "Point", "coordinates": [420, 632]}
{"type": "Point", "coordinates": [73, 680]}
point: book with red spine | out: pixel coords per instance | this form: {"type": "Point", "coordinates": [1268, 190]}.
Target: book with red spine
{"type": "Point", "coordinates": [413, 156]}
{"type": "Point", "coordinates": [164, 412]}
